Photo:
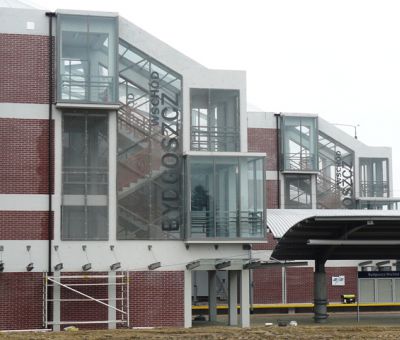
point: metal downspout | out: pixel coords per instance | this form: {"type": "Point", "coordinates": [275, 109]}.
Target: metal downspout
{"type": "Point", "coordinates": [50, 15]}
{"type": "Point", "coordinates": [278, 160]}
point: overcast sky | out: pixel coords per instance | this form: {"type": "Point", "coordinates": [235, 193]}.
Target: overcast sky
{"type": "Point", "coordinates": [339, 59]}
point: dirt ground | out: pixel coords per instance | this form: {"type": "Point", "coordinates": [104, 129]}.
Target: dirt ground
{"type": "Point", "coordinates": [215, 333]}
{"type": "Point", "coordinates": [384, 325]}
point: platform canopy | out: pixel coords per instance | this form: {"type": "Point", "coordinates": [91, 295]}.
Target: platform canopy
{"type": "Point", "coordinates": [335, 234]}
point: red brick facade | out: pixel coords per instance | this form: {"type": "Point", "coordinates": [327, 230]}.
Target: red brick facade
{"type": "Point", "coordinates": [299, 284]}
{"type": "Point", "coordinates": [269, 245]}
{"type": "Point", "coordinates": [24, 225]}
{"type": "Point", "coordinates": [24, 156]}
{"type": "Point", "coordinates": [21, 308]}
{"type": "Point", "coordinates": [157, 298]}
{"type": "Point", "coordinates": [85, 310]}
{"type": "Point", "coordinates": [267, 285]}
{"type": "Point", "coordinates": [24, 64]}
{"type": "Point", "coordinates": [350, 287]}
{"type": "Point", "coordinates": [264, 140]}
{"type": "Point", "coordinates": [272, 194]}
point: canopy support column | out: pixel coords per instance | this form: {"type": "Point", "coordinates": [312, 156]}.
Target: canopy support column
{"type": "Point", "coordinates": [212, 295]}
{"type": "Point", "coordinates": [320, 292]}
{"type": "Point", "coordinates": [233, 293]}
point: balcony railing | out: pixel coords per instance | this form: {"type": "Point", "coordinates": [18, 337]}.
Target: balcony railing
{"type": "Point", "coordinates": [82, 180]}
{"type": "Point", "coordinates": [211, 138]}
{"type": "Point", "coordinates": [374, 189]}
{"type": "Point", "coordinates": [226, 224]}
{"type": "Point", "coordinates": [79, 88]}
{"type": "Point", "coordinates": [301, 162]}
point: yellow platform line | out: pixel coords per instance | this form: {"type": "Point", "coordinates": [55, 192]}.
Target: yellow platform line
{"type": "Point", "coordinates": [304, 305]}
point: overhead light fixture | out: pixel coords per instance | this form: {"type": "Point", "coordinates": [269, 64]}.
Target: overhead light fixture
{"type": "Point", "coordinates": [192, 265]}
{"type": "Point", "coordinates": [1, 259]}
{"type": "Point", "coordinates": [87, 267]}
{"type": "Point", "coordinates": [115, 266]}
{"type": "Point", "coordinates": [58, 266]}
{"type": "Point", "coordinates": [154, 265]}
{"type": "Point", "coordinates": [29, 267]}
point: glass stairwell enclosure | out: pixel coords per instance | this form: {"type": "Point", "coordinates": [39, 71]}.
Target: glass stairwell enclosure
{"type": "Point", "coordinates": [87, 59]}
{"type": "Point", "coordinates": [226, 197]}
{"type": "Point", "coordinates": [299, 143]}
{"type": "Point", "coordinates": [214, 120]}
{"type": "Point", "coordinates": [149, 161]}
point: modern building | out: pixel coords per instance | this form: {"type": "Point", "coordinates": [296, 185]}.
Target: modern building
{"type": "Point", "coordinates": [125, 168]}
{"type": "Point", "coordinates": [313, 165]}
{"type": "Point", "coordinates": [134, 181]}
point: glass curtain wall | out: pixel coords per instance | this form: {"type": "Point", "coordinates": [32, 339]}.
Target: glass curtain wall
{"type": "Point", "coordinates": [214, 120]}
{"type": "Point", "coordinates": [299, 143]}
{"type": "Point", "coordinates": [335, 180]}
{"type": "Point", "coordinates": [87, 64]}
{"type": "Point", "coordinates": [226, 197]}
{"type": "Point", "coordinates": [374, 177]}
{"type": "Point", "coordinates": [298, 192]}
{"type": "Point", "coordinates": [149, 167]}
{"type": "Point", "coordinates": [85, 177]}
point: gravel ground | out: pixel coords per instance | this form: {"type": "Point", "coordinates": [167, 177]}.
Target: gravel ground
{"type": "Point", "coordinates": [214, 333]}
{"type": "Point", "coordinates": [339, 326]}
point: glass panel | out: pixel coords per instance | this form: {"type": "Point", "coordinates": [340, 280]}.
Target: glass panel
{"type": "Point", "coordinates": [85, 177]}
{"type": "Point", "coordinates": [226, 197]}
{"type": "Point", "coordinates": [384, 290]}
{"type": "Point", "coordinates": [87, 65]}
{"type": "Point", "coordinates": [367, 290]}
{"type": "Point", "coordinates": [374, 177]}
{"type": "Point", "coordinates": [215, 120]}
{"type": "Point", "coordinates": [335, 180]}
{"type": "Point", "coordinates": [202, 198]}
{"type": "Point", "coordinates": [149, 165]}
{"type": "Point", "coordinates": [299, 143]}
{"type": "Point", "coordinates": [298, 192]}
{"type": "Point", "coordinates": [397, 290]}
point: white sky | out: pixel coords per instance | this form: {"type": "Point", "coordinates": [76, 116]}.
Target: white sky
{"type": "Point", "coordinates": [339, 58]}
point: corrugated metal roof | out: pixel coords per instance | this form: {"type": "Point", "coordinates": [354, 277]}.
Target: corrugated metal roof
{"type": "Point", "coordinates": [279, 221]}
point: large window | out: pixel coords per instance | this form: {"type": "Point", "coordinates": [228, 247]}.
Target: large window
{"type": "Point", "coordinates": [226, 197]}
{"type": "Point", "coordinates": [298, 192]}
{"type": "Point", "coordinates": [214, 120]}
{"type": "Point", "coordinates": [299, 143]}
{"type": "Point", "coordinates": [149, 168]}
{"type": "Point", "coordinates": [374, 177]}
{"type": "Point", "coordinates": [87, 50]}
{"type": "Point", "coordinates": [85, 177]}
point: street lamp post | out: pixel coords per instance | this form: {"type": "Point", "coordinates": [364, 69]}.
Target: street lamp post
{"type": "Point", "coordinates": [349, 125]}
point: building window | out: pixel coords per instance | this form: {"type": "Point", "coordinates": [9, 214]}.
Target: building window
{"type": "Point", "coordinates": [149, 161]}
{"type": "Point", "coordinates": [87, 65]}
{"type": "Point", "coordinates": [299, 145]}
{"type": "Point", "coordinates": [374, 177]}
{"type": "Point", "coordinates": [226, 197]}
{"type": "Point", "coordinates": [335, 179]}
{"type": "Point", "coordinates": [298, 192]}
{"type": "Point", "coordinates": [85, 177]}
{"type": "Point", "coordinates": [214, 120]}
